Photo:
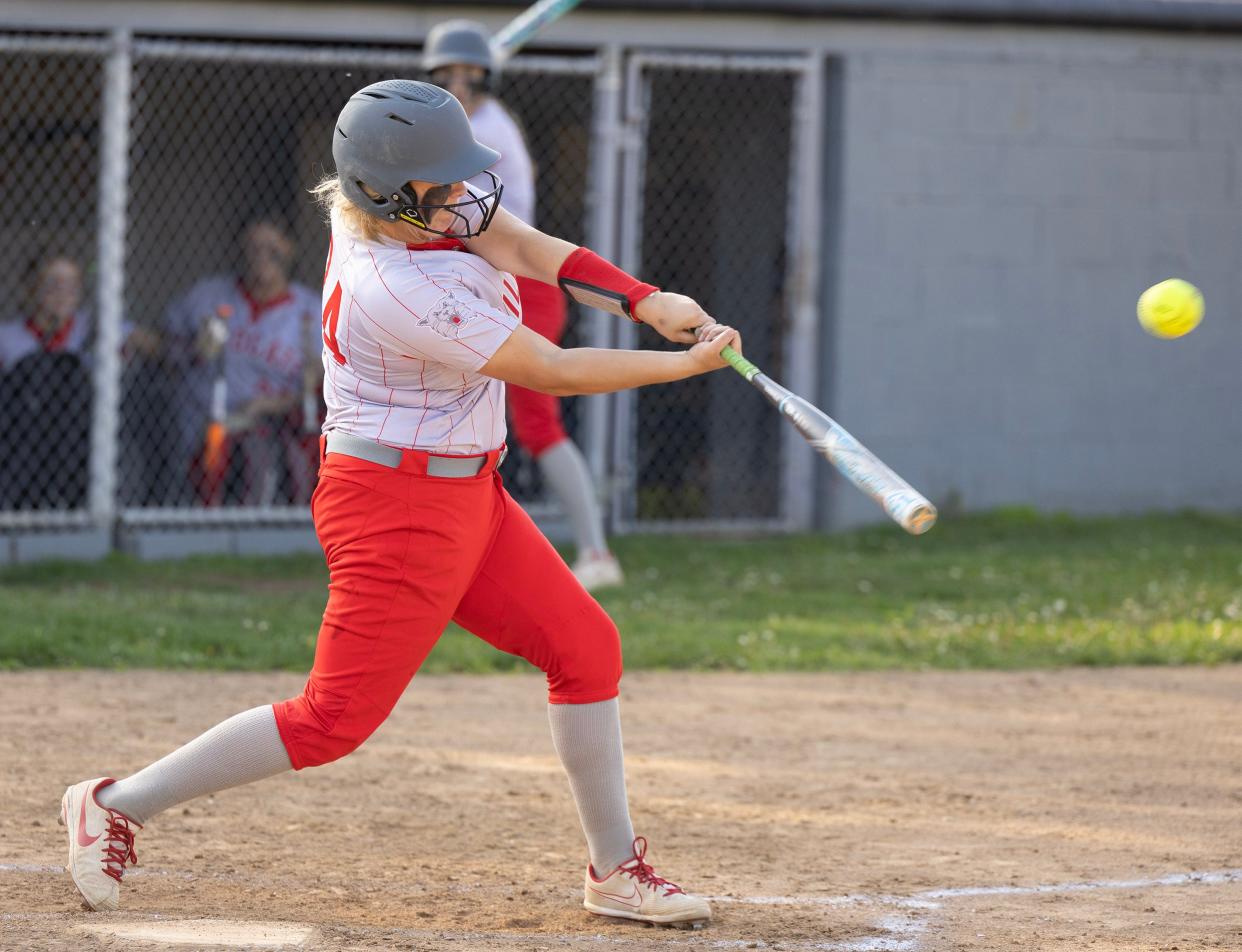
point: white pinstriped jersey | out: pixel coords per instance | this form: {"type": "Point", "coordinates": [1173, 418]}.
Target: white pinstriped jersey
{"type": "Point", "coordinates": [406, 329]}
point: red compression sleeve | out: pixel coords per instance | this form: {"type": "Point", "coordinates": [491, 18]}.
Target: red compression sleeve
{"type": "Point", "coordinates": [590, 280]}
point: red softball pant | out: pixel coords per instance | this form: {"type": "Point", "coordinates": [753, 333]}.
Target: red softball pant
{"type": "Point", "coordinates": [535, 416]}
{"type": "Point", "coordinates": [406, 553]}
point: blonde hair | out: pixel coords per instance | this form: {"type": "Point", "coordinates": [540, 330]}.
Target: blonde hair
{"type": "Point", "coordinates": [332, 198]}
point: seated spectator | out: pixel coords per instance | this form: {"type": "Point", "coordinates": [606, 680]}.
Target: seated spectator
{"type": "Point", "coordinates": [250, 344]}
{"type": "Point", "coordinates": [46, 392]}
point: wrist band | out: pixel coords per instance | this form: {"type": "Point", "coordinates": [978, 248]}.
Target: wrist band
{"type": "Point", "coordinates": [590, 280]}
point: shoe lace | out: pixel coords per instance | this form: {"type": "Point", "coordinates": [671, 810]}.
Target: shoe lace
{"type": "Point", "coordinates": [120, 849]}
{"type": "Point", "coordinates": [642, 871]}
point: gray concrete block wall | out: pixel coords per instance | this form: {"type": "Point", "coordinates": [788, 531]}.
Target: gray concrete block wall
{"type": "Point", "coordinates": [1001, 212]}
{"type": "Point", "coordinates": [73, 545]}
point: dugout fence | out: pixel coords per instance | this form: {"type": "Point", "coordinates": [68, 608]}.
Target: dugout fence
{"type": "Point", "coordinates": [138, 168]}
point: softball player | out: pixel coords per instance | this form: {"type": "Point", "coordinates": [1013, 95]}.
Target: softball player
{"type": "Point", "coordinates": [422, 330]}
{"type": "Point", "coordinates": [458, 58]}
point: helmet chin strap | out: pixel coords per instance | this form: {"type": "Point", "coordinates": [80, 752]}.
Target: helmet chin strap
{"type": "Point", "coordinates": [409, 214]}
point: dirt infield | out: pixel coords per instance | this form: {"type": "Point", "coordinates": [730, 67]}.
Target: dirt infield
{"type": "Point", "coordinates": [901, 812]}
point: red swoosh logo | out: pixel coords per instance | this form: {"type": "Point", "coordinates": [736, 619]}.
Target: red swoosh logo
{"type": "Point", "coordinates": [624, 899]}
{"type": "Point", "coordinates": [83, 839]}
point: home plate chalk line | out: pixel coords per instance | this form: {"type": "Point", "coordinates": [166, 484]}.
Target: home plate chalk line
{"type": "Point", "coordinates": [897, 931]}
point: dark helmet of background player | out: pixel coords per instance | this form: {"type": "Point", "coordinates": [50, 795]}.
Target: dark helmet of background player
{"type": "Point", "coordinates": [399, 130]}
{"type": "Point", "coordinates": [461, 42]}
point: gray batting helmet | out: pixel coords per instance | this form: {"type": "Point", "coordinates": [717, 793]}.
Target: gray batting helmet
{"type": "Point", "coordinates": [398, 130]}
{"type": "Point", "coordinates": [458, 41]}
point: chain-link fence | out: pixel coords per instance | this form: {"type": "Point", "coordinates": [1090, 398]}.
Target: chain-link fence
{"type": "Point", "coordinates": [182, 388]}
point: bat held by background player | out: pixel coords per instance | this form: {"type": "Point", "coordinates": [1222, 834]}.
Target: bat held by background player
{"type": "Point", "coordinates": [525, 25]}
{"type": "Point", "coordinates": [214, 336]}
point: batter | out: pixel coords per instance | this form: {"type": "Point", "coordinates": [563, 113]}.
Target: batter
{"type": "Point", "coordinates": [421, 331]}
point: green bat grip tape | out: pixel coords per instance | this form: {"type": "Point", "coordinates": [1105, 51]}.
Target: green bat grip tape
{"type": "Point", "coordinates": [739, 363]}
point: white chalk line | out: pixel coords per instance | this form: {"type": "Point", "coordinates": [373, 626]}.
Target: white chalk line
{"type": "Point", "coordinates": [900, 932]}
{"type": "Point", "coordinates": [139, 871]}
{"type": "Point", "coordinates": [904, 929]}
{"type": "Point", "coordinates": [927, 898]}
{"type": "Point", "coordinates": [1214, 878]}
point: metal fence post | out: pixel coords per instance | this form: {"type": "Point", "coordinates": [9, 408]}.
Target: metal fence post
{"type": "Point", "coordinates": [602, 231]}
{"type": "Point", "coordinates": [804, 232]}
{"type": "Point", "coordinates": [629, 255]}
{"type": "Point", "coordinates": [113, 186]}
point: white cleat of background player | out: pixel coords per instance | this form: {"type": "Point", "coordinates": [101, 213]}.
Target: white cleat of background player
{"type": "Point", "coordinates": [597, 570]}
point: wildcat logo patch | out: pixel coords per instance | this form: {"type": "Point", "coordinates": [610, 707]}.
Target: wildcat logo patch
{"type": "Point", "coordinates": [449, 317]}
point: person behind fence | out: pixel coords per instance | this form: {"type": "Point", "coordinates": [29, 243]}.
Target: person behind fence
{"type": "Point", "coordinates": [422, 331]}
{"type": "Point", "coordinates": [244, 343]}
{"type": "Point", "coordinates": [457, 57]}
{"type": "Point", "coordinates": [46, 390]}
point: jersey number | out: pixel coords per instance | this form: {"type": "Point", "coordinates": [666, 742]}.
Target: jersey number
{"type": "Point", "coordinates": [331, 317]}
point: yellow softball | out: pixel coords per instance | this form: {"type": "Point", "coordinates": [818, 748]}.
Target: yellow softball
{"type": "Point", "coordinates": [1171, 308]}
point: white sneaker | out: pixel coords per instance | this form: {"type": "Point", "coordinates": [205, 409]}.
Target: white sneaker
{"type": "Point", "coordinates": [97, 862]}
{"type": "Point", "coordinates": [634, 891]}
{"type": "Point", "coordinates": [598, 570]}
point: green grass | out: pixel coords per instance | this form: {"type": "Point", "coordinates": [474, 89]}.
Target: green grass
{"type": "Point", "coordinates": [1007, 590]}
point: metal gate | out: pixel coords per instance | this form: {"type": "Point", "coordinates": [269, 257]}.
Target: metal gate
{"type": "Point", "coordinates": [719, 201]}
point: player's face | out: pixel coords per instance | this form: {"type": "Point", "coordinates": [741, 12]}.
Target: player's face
{"type": "Point", "coordinates": [464, 81]}
{"type": "Point", "coordinates": [433, 193]}
{"type": "Point", "coordinates": [267, 254]}
{"type": "Point", "coordinates": [59, 291]}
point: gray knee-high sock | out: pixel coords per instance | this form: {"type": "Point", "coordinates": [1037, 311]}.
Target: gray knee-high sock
{"type": "Point", "coordinates": [587, 738]}
{"type": "Point", "coordinates": [565, 469]}
{"type": "Point", "coordinates": [245, 748]}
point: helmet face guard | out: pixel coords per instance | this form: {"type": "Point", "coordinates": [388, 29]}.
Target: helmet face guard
{"type": "Point", "coordinates": [421, 213]}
